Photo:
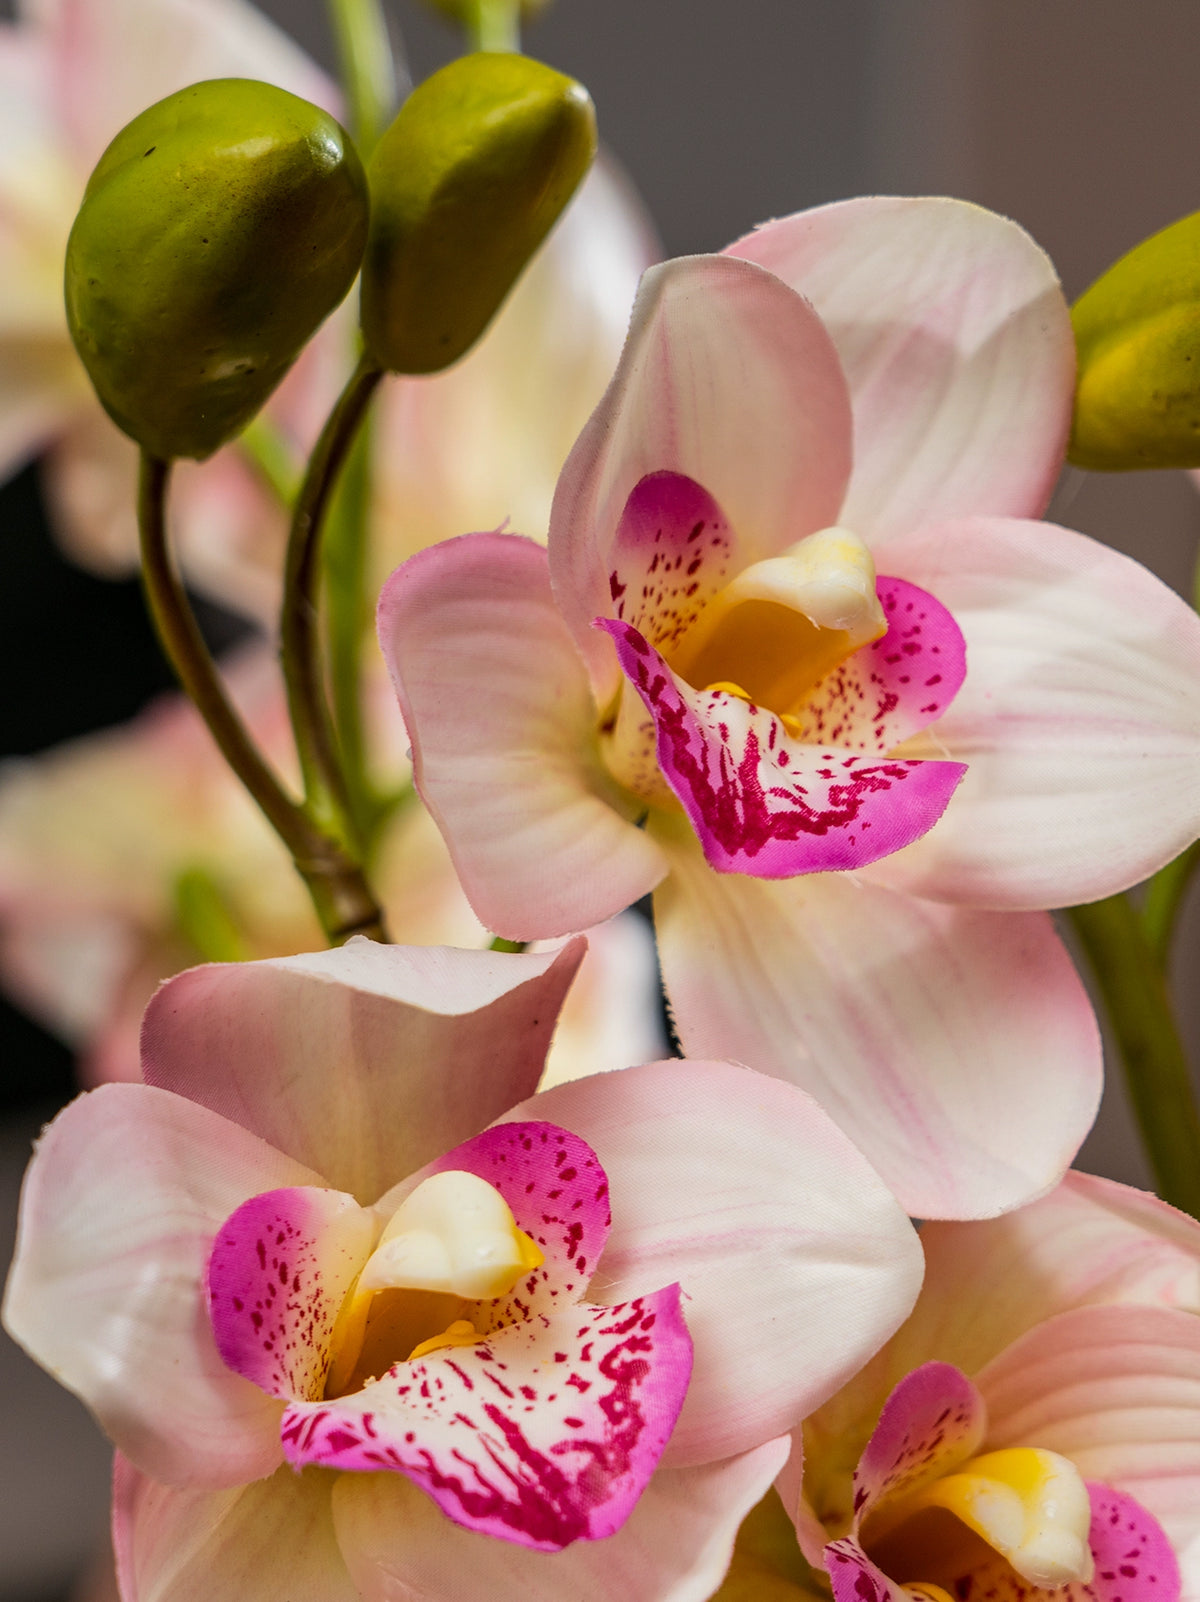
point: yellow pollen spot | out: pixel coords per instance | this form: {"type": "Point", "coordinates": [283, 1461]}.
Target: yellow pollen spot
{"type": "Point", "coordinates": [727, 689]}
{"type": "Point", "coordinates": [461, 1333]}
{"type": "Point", "coordinates": [928, 1593]}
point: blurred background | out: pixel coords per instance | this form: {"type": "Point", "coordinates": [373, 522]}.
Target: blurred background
{"type": "Point", "coordinates": [1077, 119]}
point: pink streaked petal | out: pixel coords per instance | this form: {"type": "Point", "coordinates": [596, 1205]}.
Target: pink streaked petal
{"type": "Point", "coordinates": [272, 1541]}
{"type": "Point", "coordinates": [558, 1193]}
{"type": "Point", "coordinates": [900, 683]}
{"type": "Point", "coordinates": [742, 1190]}
{"type": "Point", "coordinates": [670, 555]}
{"type": "Point", "coordinates": [365, 1062]}
{"type": "Point", "coordinates": [674, 1547]}
{"type": "Point", "coordinates": [854, 1578]}
{"type": "Point", "coordinates": [896, 1014]}
{"type": "Point", "coordinates": [281, 1267]}
{"type": "Point", "coordinates": [956, 342]}
{"type": "Point", "coordinates": [728, 378]}
{"type": "Point", "coordinates": [933, 1421]}
{"type": "Point", "coordinates": [545, 1433]}
{"type": "Point", "coordinates": [496, 701]}
{"type": "Point", "coordinates": [1117, 1390]}
{"type": "Point", "coordinates": [127, 1190]}
{"type": "Point", "coordinates": [764, 804]}
{"type": "Point", "coordinates": [1077, 720]}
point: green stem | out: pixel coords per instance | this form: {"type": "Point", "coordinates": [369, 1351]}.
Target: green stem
{"type": "Point", "coordinates": [340, 894]}
{"type": "Point", "coordinates": [366, 68]}
{"type": "Point", "coordinates": [1134, 988]}
{"type": "Point", "coordinates": [347, 613]}
{"type": "Point", "coordinates": [300, 635]}
{"type": "Point", "coordinates": [494, 24]}
{"type": "Point", "coordinates": [272, 458]}
{"type": "Point", "coordinates": [1164, 900]}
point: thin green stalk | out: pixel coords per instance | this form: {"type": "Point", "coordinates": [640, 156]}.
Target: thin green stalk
{"type": "Point", "coordinates": [272, 458]}
{"type": "Point", "coordinates": [348, 620]}
{"type": "Point", "coordinates": [339, 891]}
{"type": "Point", "coordinates": [1134, 988]}
{"type": "Point", "coordinates": [325, 787]}
{"type": "Point", "coordinates": [494, 24]}
{"type": "Point", "coordinates": [367, 69]}
{"type": "Point", "coordinates": [1165, 896]}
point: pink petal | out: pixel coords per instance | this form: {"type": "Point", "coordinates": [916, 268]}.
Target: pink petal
{"type": "Point", "coordinates": [1077, 720]}
{"type": "Point", "coordinates": [672, 551]}
{"type": "Point", "coordinates": [931, 1423]}
{"type": "Point", "coordinates": [675, 1546]}
{"type": "Point", "coordinates": [795, 1261]}
{"type": "Point", "coordinates": [280, 1269]}
{"type": "Point", "coordinates": [956, 342]}
{"type": "Point", "coordinates": [120, 1206]}
{"type": "Point", "coordinates": [1117, 1390]}
{"type": "Point", "coordinates": [545, 1433]}
{"type": "Point", "coordinates": [854, 1578]}
{"type": "Point", "coordinates": [763, 803]}
{"type": "Point", "coordinates": [1134, 1560]}
{"type": "Point", "coordinates": [899, 684]}
{"type": "Point", "coordinates": [897, 1015]}
{"type": "Point", "coordinates": [726, 377]}
{"type": "Point", "coordinates": [272, 1541]}
{"type": "Point", "coordinates": [497, 703]}
{"type": "Point", "coordinates": [365, 1062]}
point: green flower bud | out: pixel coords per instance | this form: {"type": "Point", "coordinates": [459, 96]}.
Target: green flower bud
{"type": "Point", "coordinates": [219, 229]}
{"type": "Point", "coordinates": [465, 185]}
{"type": "Point", "coordinates": [1137, 401]}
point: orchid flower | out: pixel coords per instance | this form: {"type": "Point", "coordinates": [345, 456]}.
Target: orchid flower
{"type": "Point", "coordinates": [73, 73]}
{"type": "Point", "coordinates": [103, 841]}
{"type": "Point", "coordinates": [1038, 1427]}
{"type": "Point", "coordinates": [292, 1249]}
{"type": "Point", "coordinates": [798, 660]}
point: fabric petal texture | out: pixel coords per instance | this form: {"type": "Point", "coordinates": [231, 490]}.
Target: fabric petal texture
{"type": "Point", "coordinates": [440, 1040]}
{"type": "Point", "coordinates": [496, 699]}
{"type": "Point", "coordinates": [956, 342]}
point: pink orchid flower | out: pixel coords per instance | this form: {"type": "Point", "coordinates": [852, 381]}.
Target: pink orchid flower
{"type": "Point", "coordinates": [468, 448]}
{"type": "Point", "coordinates": [292, 1251]}
{"type": "Point", "coordinates": [1038, 1417]}
{"type": "Point", "coordinates": [798, 659]}
{"type": "Point", "coordinates": [100, 838]}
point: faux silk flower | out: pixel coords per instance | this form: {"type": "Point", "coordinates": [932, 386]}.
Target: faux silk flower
{"type": "Point", "coordinates": [799, 660]}
{"type": "Point", "coordinates": [264, 1260]}
{"type": "Point", "coordinates": [1038, 1417]}
{"type": "Point", "coordinates": [133, 853]}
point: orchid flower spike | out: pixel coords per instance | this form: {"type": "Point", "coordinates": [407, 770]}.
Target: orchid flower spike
{"type": "Point", "coordinates": [348, 1301]}
{"type": "Point", "coordinates": [851, 714]}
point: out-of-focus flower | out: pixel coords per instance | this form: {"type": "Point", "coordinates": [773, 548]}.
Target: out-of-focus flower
{"type": "Point", "coordinates": [350, 1276]}
{"type": "Point", "coordinates": [1035, 1425]}
{"type": "Point", "coordinates": [471, 448]}
{"type": "Point", "coordinates": [751, 726]}
{"type": "Point", "coordinates": [130, 854]}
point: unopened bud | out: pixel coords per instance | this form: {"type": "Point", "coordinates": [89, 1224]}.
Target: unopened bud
{"type": "Point", "coordinates": [219, 229]}
{"type": "Point", "coordinates": [1137, 329]}
{"type": "Point", "coordinates": [465, 185]}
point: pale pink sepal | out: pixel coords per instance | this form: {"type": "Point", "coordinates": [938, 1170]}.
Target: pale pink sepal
{"type": "Point", "coordinates": [1117, 1390]}
{"type": "Point", "coordinates": [675, 1546]}
{"type": "Point", "coordinates": [729, 378]}
{"type": "Point", "coordinates": [440, 1040]}
{"type": "Point", "coordinates": [767, 804]}
{"type": "Point", "coordinates": [496, 698]}
{"type": "Point", "coordinates": [896, 1014]}
{"type": "Point", "coordinates": [793, 1218]}
{"type": "Point", "coordinates": [272, 1541]}
{"type": "Point", "coordinates": [120, 1205]}
{"type": "Point", "coordinates": [280, 1269]}
{"type": "Point", "coordinates": [957, 346]}
{"type": "Point", "coordinates": [1078, 718]}
{"type": "Point", "coordinates": [934, 1420]}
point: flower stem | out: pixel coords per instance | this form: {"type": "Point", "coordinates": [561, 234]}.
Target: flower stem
{"type": "Point", "coordinates": [494, 24]}
{"type": "Point", "coordinates": [1164, 899]}
{"type": "Point", "coordinates": [339, 891]}
{"type": "Point", "coordinates": [271, 457]}
{"type": "Point", "coordinates": [326, 792]}
{"type": "Point", "coordinates": [1134, 987]}
{"type": "Point", "coordinates": [348, 619]}
{"type": "Point", "coordinates": [367, 69]}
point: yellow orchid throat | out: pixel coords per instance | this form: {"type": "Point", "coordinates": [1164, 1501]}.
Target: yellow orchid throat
{"type": "Point", "coordinates": [452, 1241]}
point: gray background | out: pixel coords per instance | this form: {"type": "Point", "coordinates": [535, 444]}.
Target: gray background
{"type": "Point", "coordinates": [1076, 117]}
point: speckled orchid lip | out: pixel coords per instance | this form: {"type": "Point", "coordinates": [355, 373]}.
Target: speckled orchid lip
{"type": "Point", "coordinates": [935, 1519]}
{"type": "Point", "coordinates": [442, 1335]}
{"type": "Point", "coordinates": [769, 704]}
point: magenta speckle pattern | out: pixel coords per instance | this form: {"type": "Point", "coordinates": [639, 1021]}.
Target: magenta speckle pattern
{"type": "Point", "coordinates": [671, 554]}
{"type": "Point", "coordinates": [934, 1420]}
{"type": "Point", "coordinates": [764, 803]}
{"type": "Point", "coordinates": [898, 685]}
{"type": "Point", "coordinates": [278, 1273]}
{"type": "Point", "coordinates": [1134, 1560]}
